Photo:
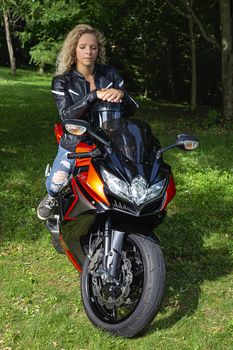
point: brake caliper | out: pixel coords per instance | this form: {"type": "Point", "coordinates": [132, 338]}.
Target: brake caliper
{"type": "Point", "coordinates": [109, 291]}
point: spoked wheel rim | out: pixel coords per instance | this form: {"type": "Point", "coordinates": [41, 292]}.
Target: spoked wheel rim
{"type": "Point", "coordinates": [114, 305]}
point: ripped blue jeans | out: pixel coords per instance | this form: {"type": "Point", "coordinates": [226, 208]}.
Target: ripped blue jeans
{"type": "Point", "coordinates": [60, 172]}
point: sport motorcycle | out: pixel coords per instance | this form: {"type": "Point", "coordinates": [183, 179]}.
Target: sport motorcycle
{"type": "Point", "coordinates": [105, 218]}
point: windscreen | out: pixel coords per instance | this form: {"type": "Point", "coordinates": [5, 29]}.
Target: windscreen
{"type": "Point", "coordinates": [103, 111]}
{"type": "Point", "coordinates": [132, 138]}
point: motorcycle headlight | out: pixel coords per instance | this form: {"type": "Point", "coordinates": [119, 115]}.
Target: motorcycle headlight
{"type": "Point", "coordinates": [155, 190]}
{"type": "Point", "coordinates": [115, 185]}
{"type": "Point", "coordinates": [137, 192]}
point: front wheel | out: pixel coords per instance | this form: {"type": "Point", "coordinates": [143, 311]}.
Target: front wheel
{"type": "Point", "coordinates": [126, 306]}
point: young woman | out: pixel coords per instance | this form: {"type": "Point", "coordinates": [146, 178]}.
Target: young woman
{"type": "Point", "coordinates": [82, 81]}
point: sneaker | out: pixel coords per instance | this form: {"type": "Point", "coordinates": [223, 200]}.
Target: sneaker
{"type": "Point", "coordinates": [46, 206]}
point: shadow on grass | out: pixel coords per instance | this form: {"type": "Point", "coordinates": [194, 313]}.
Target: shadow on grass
{"type": "Point", "coordinates": [27, 144]}
{"type": "Point", "coordinates": [190, 263]}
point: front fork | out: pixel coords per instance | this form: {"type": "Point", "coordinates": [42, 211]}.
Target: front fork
{"type": "Point", "coordinates": [113, 242]}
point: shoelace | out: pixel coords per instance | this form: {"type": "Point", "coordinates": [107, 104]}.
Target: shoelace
{"type": "Point", "coordinates": [49, 203]}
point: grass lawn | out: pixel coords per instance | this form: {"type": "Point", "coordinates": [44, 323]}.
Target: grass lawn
{"type": "Point", "coordinates": [40, 302]}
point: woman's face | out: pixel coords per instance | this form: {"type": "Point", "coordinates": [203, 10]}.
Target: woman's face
{"type": "Point", "coordinates": [86, 51]}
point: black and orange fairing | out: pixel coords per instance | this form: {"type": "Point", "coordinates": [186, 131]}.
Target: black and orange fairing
{"type": "Point", "coordinates": [170, 193]}
{"type": "Point", "coordinates": [83, 147]}
{"type": "Point", "coordinates": [58, 132]}
{"type": "Point", "coordinates": [76, 202]}
{"type": "Point", "coordinates": [86, 190]}
{"type": "Point", "coordinates": [73, 260]}
{"type": "Point", "coordinates": [68, 215]}
{"type": "Point", "coordinates": [70, 255]}
{"type": "Point", "coordinates": [94, 185]}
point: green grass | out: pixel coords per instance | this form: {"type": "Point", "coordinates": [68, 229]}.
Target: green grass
{"type": "Point", "coordinates": [40, 303]}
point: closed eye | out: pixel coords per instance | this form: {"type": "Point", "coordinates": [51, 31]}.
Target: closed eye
{"type": "Point", "coordinates": [92, 47]}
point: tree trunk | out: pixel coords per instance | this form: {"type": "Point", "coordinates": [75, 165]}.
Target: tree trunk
{"type": "Point", "coordinates": [41, 68]}
{"type": "Point", "coordinates": [227, 58]}
{"type": "Point", "coordinates": [146, 77]}
{"type": "Point", "coordinates": [194, 66]}
{"type": "Point", "coordinates": [171, 79]}
{"type": "Point", "coordinates": [9, 43]}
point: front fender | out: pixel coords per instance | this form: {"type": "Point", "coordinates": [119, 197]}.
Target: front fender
{"type": "Point", "coordinates": [149, 236]}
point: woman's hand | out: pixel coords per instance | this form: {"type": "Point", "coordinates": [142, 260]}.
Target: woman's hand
{"type": "Point", "coordinates": [110, 95]}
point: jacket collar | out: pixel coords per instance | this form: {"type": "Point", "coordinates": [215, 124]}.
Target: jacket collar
{"type": "Point", "coordinates": [75, 73]}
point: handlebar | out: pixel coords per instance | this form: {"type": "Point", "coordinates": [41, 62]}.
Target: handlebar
{"type": "Point", "coordinates": [92, 154]}
{"type": "Point", "coordinates": [74, 155]}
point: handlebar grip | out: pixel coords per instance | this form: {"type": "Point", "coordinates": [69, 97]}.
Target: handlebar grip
{"type": "Point", "coordinates": [78, 155]}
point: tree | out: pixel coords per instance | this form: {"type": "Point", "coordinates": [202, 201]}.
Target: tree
{"type": "Point", "coordinates": [192, 37]}
{"type": "Point", "coordinates": [45, 26]}
{"type": "Point", "coordinates": [226, 13]}
{"type": "Point", "coordinates": [146, 40]}
{"type": "Point", "coordinates": [226, 48]}
{"type": "Point", "coordinates": [6, 18]}
{"type": "Point", "coordinates": [44, 53]}
{"type": "Point", "coordinates": [139, 43]}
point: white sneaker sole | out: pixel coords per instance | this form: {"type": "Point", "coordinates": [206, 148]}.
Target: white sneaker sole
{"type": "Point", "coordinates": [41, 217]}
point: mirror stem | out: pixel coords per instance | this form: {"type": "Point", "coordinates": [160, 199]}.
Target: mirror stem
{"type": "Point", "coordinates": [165, 149]}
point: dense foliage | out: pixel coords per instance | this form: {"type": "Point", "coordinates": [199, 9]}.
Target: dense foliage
{"type": "Point", "coordinates": [149, 41]}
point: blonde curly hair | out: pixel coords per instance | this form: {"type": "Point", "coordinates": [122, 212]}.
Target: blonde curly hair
{"type": "Point", "coordinates": [67, 55]}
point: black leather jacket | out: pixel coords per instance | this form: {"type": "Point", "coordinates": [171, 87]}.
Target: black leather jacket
{"type": "Point", "coordinates": [74, 99]}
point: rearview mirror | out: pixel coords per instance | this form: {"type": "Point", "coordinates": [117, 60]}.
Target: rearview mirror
{"type": "Point", "coordinates": [187, 142]}
{"type": "Point", "coordinates": [75, 130]}
{"type": "Point", "coordinates": [184, 141]}
{"type": "Point", "coordinates": [75, 127]}
{"type": "Point", "coordinates": [78, 127]}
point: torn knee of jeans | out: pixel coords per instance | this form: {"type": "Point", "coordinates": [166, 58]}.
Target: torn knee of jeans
{"type": "Point", "coordinates": [59, 177]}
{"type": "Point", "coordinates": [65, 163]}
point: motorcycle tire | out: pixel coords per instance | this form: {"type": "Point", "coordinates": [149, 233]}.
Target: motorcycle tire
{"type": "Point", "coordinates": [146, 290]}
